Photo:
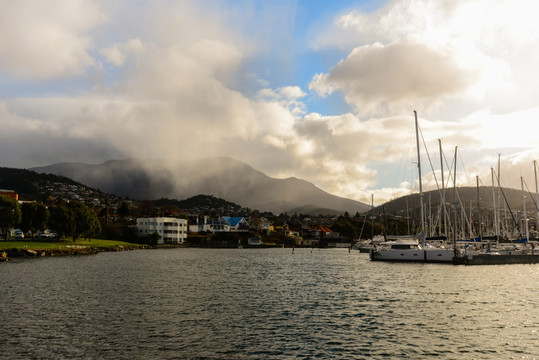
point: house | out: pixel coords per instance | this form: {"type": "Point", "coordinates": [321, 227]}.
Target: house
{"type": "Point", "coordinates": [208, 225]}
{"type": "Point", "coordinates": [265, 226]}
{"type": "Point", "coordinates": [235, 223]}
{"type": "Point", "coordinates": [170, 230]}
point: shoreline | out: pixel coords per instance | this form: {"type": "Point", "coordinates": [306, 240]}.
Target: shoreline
{"type": "Point", "coordinates": [8, 254]}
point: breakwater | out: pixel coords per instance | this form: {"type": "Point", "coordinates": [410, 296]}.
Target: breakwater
{"type": "Point", "coordinates": [7, 254]}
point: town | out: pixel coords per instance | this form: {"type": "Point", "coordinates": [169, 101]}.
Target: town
{"type": "Point", "coordinates": [77, 211]}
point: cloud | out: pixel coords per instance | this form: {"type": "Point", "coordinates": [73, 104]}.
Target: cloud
{"type": "Point", "coordinates": [113, 55]}
{"type": "Point", "coordinates": [116, 54]}
{"type": "Point", "coordinates": [43, 40]}
{"type": "Point", "coordinates": [377, 78]}
{"type": "Point", "coordinates": [287, 97]}
{"type": "Point", "coordinates": [196, 79]}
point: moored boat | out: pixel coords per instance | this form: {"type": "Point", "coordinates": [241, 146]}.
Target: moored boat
{"type": "Point", "coordinates": [410, 250]}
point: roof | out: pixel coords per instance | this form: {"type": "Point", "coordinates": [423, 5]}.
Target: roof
{"type": "Point", "coordinates": [232, 221]}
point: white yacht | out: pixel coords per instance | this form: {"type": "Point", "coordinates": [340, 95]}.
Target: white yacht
{"type": "Point", "coordinates": [410, 250]}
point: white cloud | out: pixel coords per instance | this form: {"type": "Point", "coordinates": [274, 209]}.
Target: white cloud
{"type": "Point", "coordinates": [43, 40]}
{"type": "Point", "coordinates": [287, 97]}
{"type": "Point", "coordinates": [192, 78]}
{"type": "Point", "coordinates": [377, 78]}
{"type": "Point", "coordinates": [292, 92]}
{"type": "Point", "coordinates": [113, 55]}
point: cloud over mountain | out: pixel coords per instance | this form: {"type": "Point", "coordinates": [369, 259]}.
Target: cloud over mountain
{"type": "Point", "coordinates": [222, 177]}
{"type": "Point", "coordinates": [324, 93]}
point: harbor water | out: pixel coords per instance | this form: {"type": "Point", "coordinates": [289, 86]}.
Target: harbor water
{"type": "Point", "coordinates": [264, 304]}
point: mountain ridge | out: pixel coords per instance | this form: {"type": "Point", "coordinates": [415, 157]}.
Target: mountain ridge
{"type": "Point", "coordinates": [223, 177]}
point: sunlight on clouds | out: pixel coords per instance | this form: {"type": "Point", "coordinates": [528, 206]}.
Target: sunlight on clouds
{"type": "Point", "coordinates": [117, 53]}
{"type": "Point", "coordinates": [47, 39]}
{"type": "Point", "coordinates": [287, 97]}
{"type": "Point", "coordinates": [377, 78]}
{"type": "Point", "coordinates": [506, 130]}
{"type": "Point", "coordinates": [200, 78]}
{"type": "Point", "coordinates": [292, 92]}
{"type": "Point", "coordinates": [113, 55]}
{"type": "Point", "coordinates": [493, 57]}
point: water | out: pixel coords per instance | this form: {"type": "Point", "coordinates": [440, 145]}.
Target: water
{"type": "Point", "coordinates": [264, 304]}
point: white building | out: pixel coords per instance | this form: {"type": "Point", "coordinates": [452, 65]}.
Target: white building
{"type": "Point", "coordinates": [171, 230]}
{"type": "Point", "coordinates": [209, 225]}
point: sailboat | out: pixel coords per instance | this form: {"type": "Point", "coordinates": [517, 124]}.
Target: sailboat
{"type": "Point", "coordinates": [512, 254]}
{"type": "Point", "coordinates": [412, 248]}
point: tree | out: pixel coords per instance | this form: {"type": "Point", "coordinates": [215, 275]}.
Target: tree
{"type": "Point", "coordinates": [94, 226]}
{"type": "Point", "coordinates": [61, 220]}
{"type": "Point", "coordinates": [346, 226]}
{"type": "Point", "coordinates": [82, 219]}
{"type": "Point", "coordinates": [146, 208]}
{"type": "Point", "coordinates": [34, 217]}
{"type": "Point", "coordinates": [10, 214]}
{"type": "Point", "coordinates": [27, 214]}
{"type": "Point", "coordinates": [123, 210]}
{"type": "Point", "coordinates": [255, 220]}
{"type": "Point", "coordinates": [41, 217]}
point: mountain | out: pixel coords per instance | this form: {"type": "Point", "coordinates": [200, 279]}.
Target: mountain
{"type": "Point", "coordinates": [222, 177]}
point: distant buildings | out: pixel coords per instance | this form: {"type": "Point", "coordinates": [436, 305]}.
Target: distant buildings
{"type": "Point", "coordinates": [10, 194]}
{"type": "Point", "coordinates": [170, 230]}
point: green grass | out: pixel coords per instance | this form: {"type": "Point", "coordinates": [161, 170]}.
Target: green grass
{"type": "Point", "coordinates": [62, 244]}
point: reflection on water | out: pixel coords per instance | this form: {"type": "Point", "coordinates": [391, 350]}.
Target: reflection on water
{"type": "Point", "coordinates": [264, 303]}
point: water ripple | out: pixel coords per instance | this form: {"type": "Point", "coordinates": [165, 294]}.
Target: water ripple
{"type": "Point", "coordinates": [264, 304]}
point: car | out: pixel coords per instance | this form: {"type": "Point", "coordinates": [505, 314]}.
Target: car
{"type": "Point", "coordinates": [47, 235]}
{"type": "Point", "coordinates": [19, 235]}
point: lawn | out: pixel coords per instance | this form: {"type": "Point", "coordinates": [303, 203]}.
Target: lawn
{"type": "Point", "coordinates": [37, 244]}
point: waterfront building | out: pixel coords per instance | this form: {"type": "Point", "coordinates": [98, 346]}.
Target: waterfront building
{"type": "Point", "coordinates": [171, 230]}
{"type": "Point", "coordinates": [208, 225]}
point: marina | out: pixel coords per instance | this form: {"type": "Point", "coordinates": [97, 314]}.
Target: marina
{"type": "Point", "coordinates": [458, 252]}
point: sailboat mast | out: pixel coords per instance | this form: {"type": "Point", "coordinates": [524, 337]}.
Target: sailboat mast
{"type": "Point", "coordinates": [419, 171]}
{"type": "Point", "coordinates": [455, 192]}
{"type": "Point", "coordinates": [479, 228]}
{"type": "Point", "coordinates": [444, 215]}
{"type": "Point", "coordinates": [525, 212]}
{"type": "Point", "coordinates": [496, 225]}
{"type": "Point", "coordinates": [372, 214]}
{"type": "Point", "coordinates": [500, 200]}
{"type": "Point", "coordinates": [536, 194]}
{"type": "Point", "coordinates": [407, 216]}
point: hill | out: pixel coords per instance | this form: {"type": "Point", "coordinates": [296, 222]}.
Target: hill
{"type": "Point", "coordinates": [221, 177]}
{"type": "Point", "coordinates": [465, 195]}
{"type": "Point", "coordinates": [31, 185]}
{"type": "Point", "coordinates": [204, 204]}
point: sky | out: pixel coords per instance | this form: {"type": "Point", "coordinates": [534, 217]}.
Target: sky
{"type": "Point", "coordinates": [322, 91]}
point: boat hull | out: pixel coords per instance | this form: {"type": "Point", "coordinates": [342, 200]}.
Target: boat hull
{"type": "Point", "coordinates": [419, 255]}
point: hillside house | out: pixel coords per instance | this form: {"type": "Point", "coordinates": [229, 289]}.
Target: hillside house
{"type": "Point", "coordinates": [265, 226]}
{"type": "Point", "coordinates": [236, 223]}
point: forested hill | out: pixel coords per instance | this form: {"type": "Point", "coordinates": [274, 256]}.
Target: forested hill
{"type": "Point", "coordinates": [464, 195]}
{"type": "Point", "coordinates": [33, 186]}
{"type": "Point", "coordinates": [29, 183]}
{"type": "Point", "coordinates": [204, 204]}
